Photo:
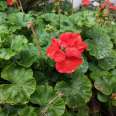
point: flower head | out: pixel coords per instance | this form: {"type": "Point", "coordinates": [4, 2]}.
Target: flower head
{"type": "Point", "coordinates": [10, 2]}
{"type": "Point", "coordinates": [107, 4]}
{"type": "Point", "coordinates": [86, 2]}
{"type": "Point", "coordinates": [67, 52]}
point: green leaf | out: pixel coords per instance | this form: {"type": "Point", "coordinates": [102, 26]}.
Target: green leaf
{"type": "Point", "coordinates": [42, 95]}
{"type": "Point", "coordinates": [103, 85]}
{"type": "Point", "coordinates": [3, 5]}
{"type": "Point", "coordinates": [99, 43]}
{"type": "Point", "coordinates": [84, 111]}
{"type": "Point", "coordinates": [22, 85]}
{"type": "Point", "coordinates": [3, 30]}
{"type": "Point", "coordinates": [6, 54]}
{"type": "Point", "coordinates": [102, 98]}
{"type": "Point", "coordinates": [19, 43]}
{"type": "Point", "coordinates": [19, 19]}
{"type": "Point", "coordinates": [28, 111]}
{"type": "Point", "coordinates": [78, 92]}
{"type": "Point", "coordinates": [82, 86]}
{"type": "Point", "coordinates": [28, 56]}
{"type": "Point", "coordinates": [51, 104]}
{"type": "Point", "coordinates": [83, 18]}
{"type": "Point", "coordinates": [98, 74]}
{"type": "Point", "coordinates": [2, 18]}
{"type": "Point", "coordinates": [108, 63]}
{"type": "Point", "coordinates": [84, 67]}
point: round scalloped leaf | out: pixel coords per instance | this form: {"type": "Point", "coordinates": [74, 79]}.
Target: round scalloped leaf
{"type": "Point", "coordinates": [103, 85]}
{"type": "Point", "coordinates": [78, 90]}
{"type": "Point", "coordinates": [42, 95]}
{"type": "Point", "coordinates": [107, 63]}
{"type": "Point", "coordinates": [82, 86]}
{"type": "Point", "coordinates": [22, 85]}
{"type": "Point", "coordinates": [99, 43]}
{"type": "Point", "coordinates": [51, 103]}
{"type": "Point", "coordinates": [28, 56]}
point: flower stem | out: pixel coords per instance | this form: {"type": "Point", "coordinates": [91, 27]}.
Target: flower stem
{"type": "Point", "coordinates": [20, 5]}
{"type": "Point", "coordinates": [35, 39]}
{"type": "Point", "coordinates": [44, 111]}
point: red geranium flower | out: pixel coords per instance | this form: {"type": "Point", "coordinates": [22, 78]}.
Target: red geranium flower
{"type": "Point", "coordinates": [86, 2]}
{"type": "Point", "coordinates": [10, 2]}
{"type": "Point", "coordinates": [112, 7]}
{"type": "Point", "coordinates": [67, 52]}
{"type": "Point", "coordinates": [107, 4]}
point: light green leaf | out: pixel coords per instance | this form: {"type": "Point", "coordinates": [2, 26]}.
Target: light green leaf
{"type": "Point", "coordinates": [22, 85]}
{"type": "Point", "coordinates": [6, 54]}
{"type": "Point", "coordinates": [19, 19]}
{"type": "Point", "coordinates": [18, 43]}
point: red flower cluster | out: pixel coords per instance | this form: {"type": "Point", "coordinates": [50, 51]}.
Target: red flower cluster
{"type": "Point", "coordinates": [86, 2]}
{"type": "Point", "coordinates": [10, 2]}
{"type": "Point", "coordinates": [107, 4]}
{"type": "Point", "coordinates": [67, 52]}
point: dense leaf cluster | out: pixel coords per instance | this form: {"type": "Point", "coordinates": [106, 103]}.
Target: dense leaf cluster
{"type": "Point", "coordinates": [29, 83]}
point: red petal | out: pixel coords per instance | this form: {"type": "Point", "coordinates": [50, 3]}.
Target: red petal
{"type": "Point", "coordinates": [86, 2]}
{"type": "Point", "coordinates": [112, 7]}
{"type": "Point", "coordinates": [69, 65]}
{"type": "Point", "coordinates": [53, 48]}
{"type": "Point", "coordinates": [59, 56]}
{"type": "Point", "coordinates": [73, 52]}
{"type": "Point", "coordinates": [68, 39]}
{"type": "Point", "coordinates": [10, 2]}
{"type": "Point", "coordinates": [82, 46]}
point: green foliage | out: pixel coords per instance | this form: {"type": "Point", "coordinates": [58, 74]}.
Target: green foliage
{"type": "Point", "coordinates": [29, 83]}
{"type": "Point", "coordinates": [21, 85]}
{"type": "Point", "coordinates": [51, 103]}
{"type": "Point", "coordinates": [77, 92]}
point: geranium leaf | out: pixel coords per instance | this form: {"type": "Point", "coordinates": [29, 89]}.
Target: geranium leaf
{"type": "Point", "coordinates": [19, 43]}
{"type": "Point", "coordinates": [22, 85]}
{"type": "Point", "coordinates": [52, 105]}
{"type": "Point", "coordinates": [28, 111]}
{"type": "Point", "coordinates": [99, 43]}
{"type": "Point", "coordinates": [79, 90]}
{"type": "Point", "coordinates": [6, 54]}
{"type": "Point", "coordinates": [103, 85]}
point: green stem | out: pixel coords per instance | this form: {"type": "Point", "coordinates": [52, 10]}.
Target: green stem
{"type": "Point", "coordinates": [44, 111]}
{"type": "Point", "coordinates": [35, 39]}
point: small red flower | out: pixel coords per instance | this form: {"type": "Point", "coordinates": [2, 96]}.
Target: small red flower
{"type": "Point", "coordinates": [10, 2]}
{"type": "Point", "coordinates": [107, 4]}
{"type": "Point", "coordinates": [86, 2]}
{"type": "Point", "coordinates": [112, 7]}
{"type": "Point", "coordinates": [67, 52]}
